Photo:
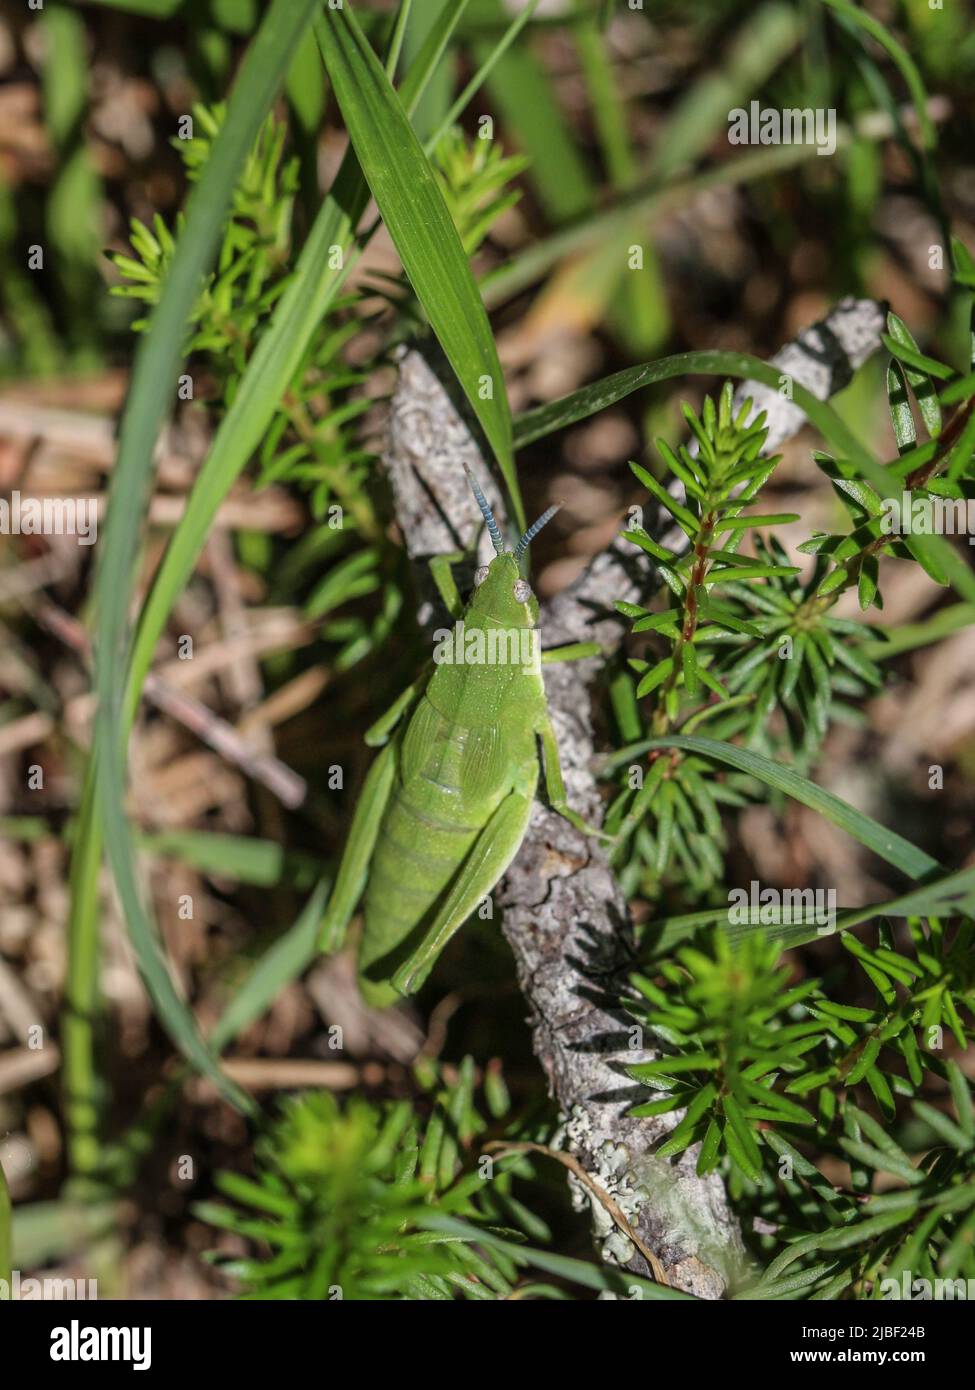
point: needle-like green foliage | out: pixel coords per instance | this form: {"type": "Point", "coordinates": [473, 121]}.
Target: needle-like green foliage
{"type": "Point", "coordinates": [829, 1096]}
{"type": "Point", "coordinates": [342, 1193]}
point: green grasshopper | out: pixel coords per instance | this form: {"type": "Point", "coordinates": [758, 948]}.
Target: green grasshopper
{"type": "Point", "coordinates": [446, 803]}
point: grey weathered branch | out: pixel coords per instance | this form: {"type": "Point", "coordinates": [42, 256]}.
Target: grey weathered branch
{"type": "Point", "coordinates": [565, 916]}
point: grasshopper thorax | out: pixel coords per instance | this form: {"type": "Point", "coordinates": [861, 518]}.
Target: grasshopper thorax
{"type": "Point", "coordinates": [502, 594]}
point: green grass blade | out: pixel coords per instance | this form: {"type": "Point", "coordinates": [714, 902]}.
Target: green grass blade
{"type": "Point", "coordinates": [239, 857]}
{"type": "Point", "coordinates": [760, 44]}
{"type": "Point", "coordinates": [431, 51]}
{"type": "Point", "coordinates": [942, 897]}
{"type": "Point", "coordinates": [913, 635]}
{"type": "Point", "coordinates": [78, 1072]}
{"type": "Point", "coordinates": [490, 61]}
{"type": "Point", "coordinates": [314, 286]}
{"type": "Point", "coordinates": [151, 9]}
{"type": "Point", "coordinates": [156, 364]}
{"type": "Point", "coordinates": [901, 58]}
{"type": "Point", "coordinates": [637, 310]}
{"type": "Point", "coordinates": [73, 214]}
{"type": "Point", "coordinates": [425, 20]}
{"type": "Point", "coordinates": [886, 843]}
{"type": "Point", "coordinates": [646, 204]}
{"type": "Point", "coordinates": [608, 106]}
{"type": "Point", "coordinates": [589, 400]}
{"type": "Point", "coordinates": [279, 965]}
{"type": "Point", "coordinates": [268, 374]}
{"type": "Point", "coordinates": [284, 961]}
{"type": "Point", "coordinates": [6, 1228]}
{"type": "Point", "coordinates": [47, 1231]}
{"type": "Point", "coordinates": [397, 37]}
{"type": "Point", "coordinates": [939, 897]}
{"type": "Point", "coordinates": [417, 219]}
{"type": "Point", "coordinates": [522, 91]}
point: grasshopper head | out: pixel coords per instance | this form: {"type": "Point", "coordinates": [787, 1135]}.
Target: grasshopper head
{"type": "Point", "coordinates": [503, 595]}
{"type": "Point", "coordinates": [500, 591]}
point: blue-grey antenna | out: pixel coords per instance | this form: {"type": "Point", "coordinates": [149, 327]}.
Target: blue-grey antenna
{"type": "Point", "coordinates": [494, 529]}
{"type": "Point", "coordinates": [534, 529]}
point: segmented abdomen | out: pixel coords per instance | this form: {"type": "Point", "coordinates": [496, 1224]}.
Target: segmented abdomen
{"type": "Point", "coordinates": [450, 781]}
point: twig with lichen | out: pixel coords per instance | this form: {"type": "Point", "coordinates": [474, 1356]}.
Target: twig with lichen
{"type": "Point", "coordinates": [565, 915]}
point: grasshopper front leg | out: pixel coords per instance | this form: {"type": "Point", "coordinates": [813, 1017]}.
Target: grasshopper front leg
{"type": "Point", "coordinates": [442, 573]}
{"type": "Point", "coordinates": [377, 734]}
{"type": "Point", "coordinates": [441, 570]}
{"type": "Point", "coordinates": [573, 651]}
{"type": "Point", "coordinates": [554, 785]}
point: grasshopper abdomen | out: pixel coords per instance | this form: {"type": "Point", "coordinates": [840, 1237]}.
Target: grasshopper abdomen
{"type": "Point", "coordinates": [440, 803]}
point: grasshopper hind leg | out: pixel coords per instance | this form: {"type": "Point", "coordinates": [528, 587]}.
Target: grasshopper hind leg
{"type": "Point", "coordinates": [488, 858]}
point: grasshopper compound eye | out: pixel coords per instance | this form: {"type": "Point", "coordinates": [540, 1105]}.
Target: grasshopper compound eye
{"type": "Point", "coordinates": [522, 591]}
{"type": "Point", "coordinates": [481, 574]}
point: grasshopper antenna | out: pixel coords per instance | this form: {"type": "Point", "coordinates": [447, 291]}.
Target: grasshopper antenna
{"type": "Point", "coordinates": [534, 529]}
{"type": "Point", "coordinates": [494, 529]}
